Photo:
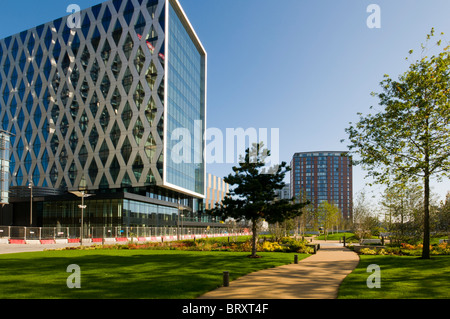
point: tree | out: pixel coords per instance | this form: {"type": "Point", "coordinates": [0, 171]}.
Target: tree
{"type": "Point", "coordinates": [363, 216]}
{"type": "Point", "coordinates": [308, 217]}
{"type": "Point", "coordinates": [409, 138]}
{"type": "Point", "coordinates": [443, 215]}
{"type": "Point", "coordinates": [403, 204]}
{"type": "Point", "coordinates": [252, 193]}
{"type": "Point", "coordinates": [360, 208]}
{"type": "Point", "coordinates": [328, 216]}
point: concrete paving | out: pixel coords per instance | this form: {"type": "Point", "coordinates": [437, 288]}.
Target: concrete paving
{"type": "Point", "coordinates": [316, 277]}
{"type": "Point", "coordinates": [22, 248]}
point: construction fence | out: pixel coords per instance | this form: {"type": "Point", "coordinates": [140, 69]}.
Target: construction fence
{"type": "Point", "coordinates": [54, 235]}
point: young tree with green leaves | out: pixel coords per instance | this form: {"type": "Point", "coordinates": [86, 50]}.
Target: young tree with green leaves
{"type": "Point", "coordinates": [409, 138]}
{"type": "Point", "coordinates": [403, 205]}
{"type": "Point", "coordinates": [443, 216]}
{"type": "Point", "coordinates": [252, 193]}
{"type": "Point", "coordinates": [328, 216]}
{"type": "Point", "coordinates": [364, 216]}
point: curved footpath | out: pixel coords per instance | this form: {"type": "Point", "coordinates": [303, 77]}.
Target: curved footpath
{"type": "Point", "coordinates": [316, 277]}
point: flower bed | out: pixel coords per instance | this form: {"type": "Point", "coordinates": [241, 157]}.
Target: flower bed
{"type": "Point", "coordinates": [407, 250]}
{"type": "Point", "coordinates": [284, 245]}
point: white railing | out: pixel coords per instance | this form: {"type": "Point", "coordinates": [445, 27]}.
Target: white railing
{"type": "Point", "coordinates": [53, 235]}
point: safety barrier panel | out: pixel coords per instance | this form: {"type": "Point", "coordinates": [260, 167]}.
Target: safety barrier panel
{"type": "Point", "coordinates": [71, 235]}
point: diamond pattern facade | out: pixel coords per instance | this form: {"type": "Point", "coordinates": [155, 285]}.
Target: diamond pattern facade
{"type": "Point", "coordinates": [89, 102]}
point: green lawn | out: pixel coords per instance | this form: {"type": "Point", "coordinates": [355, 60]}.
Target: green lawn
{"type": "Point", "coordinates": [123, 274]}
{"type": "Point", "coordinates": [401, 278]}
{"type": "Point", "coordinates": [335, 236]}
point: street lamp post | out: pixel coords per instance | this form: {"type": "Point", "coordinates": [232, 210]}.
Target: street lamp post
{"type": "Point", "coordinates": [82, 193]}
{"type": "Point", "coordinates": [30, 186]}
{"type": "Point", "coordinates": [82, 206]}
{"type": "Point", "coordinates": [180, 221]}
{"type": "Point", "coordinates": [182, 226]}
{"type": "Point", "coordinates": [180, 214]}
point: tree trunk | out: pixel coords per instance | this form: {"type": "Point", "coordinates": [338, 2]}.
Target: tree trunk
{"type": "Point", "coordinates": [426, 219]}
{"type": "Point", "coordinates": [426, 199]}
{"type": "Point", "coordinates": [254, 237]}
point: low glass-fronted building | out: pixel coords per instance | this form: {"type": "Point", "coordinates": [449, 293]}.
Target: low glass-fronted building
{"type": "Point", "coordinates": [99, 104]}
{"type": "Point", "coordinates": [109, 213]}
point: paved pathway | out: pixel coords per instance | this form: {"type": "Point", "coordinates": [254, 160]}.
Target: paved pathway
{"type": "Point", "coordinates": [315, 277]}
{"type": "Point", "coordinates": [21, 248]}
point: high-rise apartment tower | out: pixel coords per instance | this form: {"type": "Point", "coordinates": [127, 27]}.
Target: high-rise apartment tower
{"type": "Point", "coordinates": [323, 176]}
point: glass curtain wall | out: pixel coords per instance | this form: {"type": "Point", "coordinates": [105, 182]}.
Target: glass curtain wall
{"type": "Point", "coordinates": [97, 213]}
{"type": "Point", "coordinates": [144, 214]}
{"type": "Point", "coordinates": [186, 109]}
{"type": "Point", "coordinates": [108, 213]}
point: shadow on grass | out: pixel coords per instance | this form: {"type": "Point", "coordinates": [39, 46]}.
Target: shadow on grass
{"type": "Point", "coordinates": [402, 277]}
{"type": "Point", "coordinates": [125, 274]}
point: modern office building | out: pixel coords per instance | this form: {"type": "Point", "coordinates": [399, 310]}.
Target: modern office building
{"type": "Point", "coordinates": [216, 191]}
{"type": "Point", "coordinates": [323, 176]}
{"type": "Point", "coordinates": [5, 149]}
{"type": "Point", "coordinates": [96, 106]}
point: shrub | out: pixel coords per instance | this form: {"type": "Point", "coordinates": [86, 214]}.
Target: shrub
{"type": "Point", "coordinates": [441, 249]}
{"type": "Point", "coordinates": [287, 240]}
{"type": "Point", "coordinates": [246, 246]}
{"type": "Point", "coordinates": [269, 246]}
{"type": "Point", "coordinates": [285, 245]}
{"type": "Point", "coordinates": [416, 250]}
{"type": "Point", "coordinates": [393, 250]}
{"type": "Point", "coordinates": [266, 246]}
{"type": "Point", "coordinates": [408, 246]}
{"type": "Point", "coordinates": [367, 251]}
{"type": "Point", "coordinates": [300, 247]}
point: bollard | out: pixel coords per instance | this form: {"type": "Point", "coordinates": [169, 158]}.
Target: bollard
{"type": "Point", "coordinates": [344, 241]}
{"type": "Point", "coordinates": [295, 259]}
{"type": "Point", "coordinates": [226, 278]}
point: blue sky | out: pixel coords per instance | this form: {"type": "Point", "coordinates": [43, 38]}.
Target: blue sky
{"type": "Point", "coordinates": [303, 66]}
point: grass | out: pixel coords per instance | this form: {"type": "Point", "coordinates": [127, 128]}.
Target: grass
{"type": "Point", "coordinates": [434, 240]}
{"type": "Point", "coordinates": [401, 278]}
{"type": "Point", "coordinates": [126, 274]}
{"type": "Point", "coordinates": [335, 236]}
